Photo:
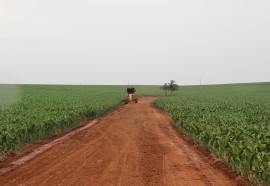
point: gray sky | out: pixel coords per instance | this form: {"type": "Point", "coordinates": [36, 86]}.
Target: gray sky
{"type": "Point", "coordinates": [146, 41]}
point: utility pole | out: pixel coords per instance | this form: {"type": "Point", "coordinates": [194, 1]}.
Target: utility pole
{"type": "Point", "coordinates": [200, 80]}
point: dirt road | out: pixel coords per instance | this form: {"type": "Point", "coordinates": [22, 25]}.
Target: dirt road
{"type": "Point", "coordinates": [136, 145]}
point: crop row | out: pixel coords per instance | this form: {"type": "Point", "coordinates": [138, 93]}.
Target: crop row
{"type": "Point", "coordinates": [33, 112]}
{"type": "Point", "coordinates": [42, 111]}
{"type": "Point", "coordinates": [233, 125]}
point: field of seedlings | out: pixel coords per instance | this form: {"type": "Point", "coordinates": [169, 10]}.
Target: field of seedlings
{"type": "Point", "coordinates": [232, 121]}
{"type": "Point", "coordinates": [32, 112]}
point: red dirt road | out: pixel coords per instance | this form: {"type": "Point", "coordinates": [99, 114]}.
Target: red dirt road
{"type": "Point", "coordinates": [135, 146]}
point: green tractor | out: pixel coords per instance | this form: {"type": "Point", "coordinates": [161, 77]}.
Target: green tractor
{"type": "Point", "coordinates": [131, 96]}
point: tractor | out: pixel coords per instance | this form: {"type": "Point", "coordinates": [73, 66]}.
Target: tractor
{"type": "Point", "coordinates": [131, 96]}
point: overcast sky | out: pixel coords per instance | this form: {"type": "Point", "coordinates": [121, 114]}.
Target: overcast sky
{"type": "Point", "coordinates": [146, 41]}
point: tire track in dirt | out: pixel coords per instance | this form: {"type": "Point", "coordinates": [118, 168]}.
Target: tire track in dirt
{"type": "Point", "coordinates": [135, 146]}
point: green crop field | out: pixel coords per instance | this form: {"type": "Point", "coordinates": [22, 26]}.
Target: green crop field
{"type": "Point", "coordinates": [32, 112]}
{"type": "Point", "coordinates": [232, 121]}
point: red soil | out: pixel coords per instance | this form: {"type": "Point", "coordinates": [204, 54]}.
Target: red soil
{"type": "Point", "coordinates": [135, 145]}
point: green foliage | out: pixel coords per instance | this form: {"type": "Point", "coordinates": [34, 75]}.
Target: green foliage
{"type": "Point", "coordinates": [232, 121]}
{"type": "Point", "coordinates": [172, 86]}
{"type": "Point", "coordinates": [42, 111]}
{"type": "Point", "coordinates": [33, 112]}
{"type": "Point", "coordinates": [165, 87]}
